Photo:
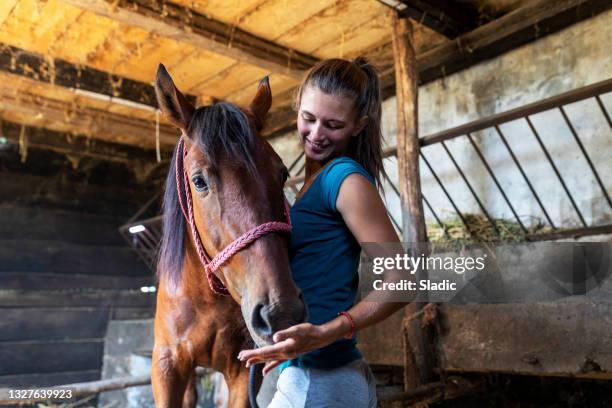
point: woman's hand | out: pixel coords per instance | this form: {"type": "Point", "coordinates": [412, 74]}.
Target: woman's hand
{"type": "Point", "coordinates": [289, 344]}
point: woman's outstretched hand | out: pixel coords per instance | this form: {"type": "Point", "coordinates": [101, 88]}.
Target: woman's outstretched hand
{"type": "Point", "coordinates": [289, 344]}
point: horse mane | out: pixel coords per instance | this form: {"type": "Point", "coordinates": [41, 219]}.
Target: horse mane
{"type": "Point", "coordinates": [220, 131]}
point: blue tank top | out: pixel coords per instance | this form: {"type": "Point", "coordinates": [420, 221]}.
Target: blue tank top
{"type": "Point", "coordinates": [324, 260]}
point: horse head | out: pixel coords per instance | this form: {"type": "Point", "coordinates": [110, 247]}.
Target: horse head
{"type": "Point", "coordinates": [232, 182]}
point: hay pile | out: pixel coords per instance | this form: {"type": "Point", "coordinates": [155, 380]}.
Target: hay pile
{"type": "Point", "coordinates": [479, 229]}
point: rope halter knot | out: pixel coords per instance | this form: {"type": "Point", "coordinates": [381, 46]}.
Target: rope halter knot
{"type": "Point", "coordinates": [211, 266]}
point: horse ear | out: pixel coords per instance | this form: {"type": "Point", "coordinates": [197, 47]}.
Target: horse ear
{"type": "Point", "coordinates": [260, 105]}
{"type": "Point", "coordinates": [173, 104]}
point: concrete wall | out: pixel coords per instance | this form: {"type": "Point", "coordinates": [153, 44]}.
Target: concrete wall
{"type": "Point", "coordinates": [575, 57]}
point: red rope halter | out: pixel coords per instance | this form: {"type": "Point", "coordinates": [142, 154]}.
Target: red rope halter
{"type": "Point", "coordinates": [212, 265]}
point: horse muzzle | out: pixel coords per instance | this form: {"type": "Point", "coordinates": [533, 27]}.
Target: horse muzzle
{"type": "Point", "coordinates": [266, 318]}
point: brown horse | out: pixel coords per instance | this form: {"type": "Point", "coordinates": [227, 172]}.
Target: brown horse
{"type": "Point", "coordinates": [233, 181]}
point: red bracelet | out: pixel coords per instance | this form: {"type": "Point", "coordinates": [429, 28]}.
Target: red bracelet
{"type": "Point", "coordinates": [352, 322]}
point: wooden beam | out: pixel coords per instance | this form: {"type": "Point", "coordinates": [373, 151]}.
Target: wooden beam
{"type": "Point", "coordinates": [533, 21]}
{"type": "Point", "coordinates": [188, 26]}
{"type": "Point", "coordinates": [22, 222]}
{"type": "Point", "coordinates": [46, 379]}
{"type": "Point", "coordinates": [56, 71]}
{"type": "Point", "coordinates": [27, 357]}
{"type": "Point", "coordinates": [59, 192]}
{"type": "Point", "coordinates": [530, 22]}
{"type": "Point", "coordinates": [276, 123]}
{"type": "Point", "coordinates": [407, 130]}
{"type": "Point", "coordinates": [419, 344]}
{"type": "Point", "coordinates": [70, 281]}
{"type": "Point", "coordinates": [448, 18]}
{"type": "Point", "coordinates": [53, 324]}
{"type": "Point", "coordinates": [36, 110]}
{"type": "Point", "coordinates": [114, 298]}
{"type": "Point", "coordinates": [76, 145]}
{"type": "Point", "coordinates": [37, 256]}
{"type": "Point", "coordinates": [569, 338]}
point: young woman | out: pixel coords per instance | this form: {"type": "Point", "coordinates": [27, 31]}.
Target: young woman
{"type": "Point", "coordinates": [339, 111]}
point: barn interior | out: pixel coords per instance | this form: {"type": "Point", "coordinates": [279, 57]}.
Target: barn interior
{"type": "Point", "coordinates": [84, 153]}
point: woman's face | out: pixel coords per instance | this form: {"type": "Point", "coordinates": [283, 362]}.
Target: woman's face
{"type": "Point", "coordinates": [326, 124]}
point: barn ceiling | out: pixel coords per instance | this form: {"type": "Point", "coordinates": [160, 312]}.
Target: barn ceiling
{"type": "Point", "coordinates": [86, 66]}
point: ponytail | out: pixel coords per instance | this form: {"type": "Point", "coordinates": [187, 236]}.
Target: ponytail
{"type": "Point", "coordinates": [357, 80]}
{"type": "Point", "coordinates": [367, 147]}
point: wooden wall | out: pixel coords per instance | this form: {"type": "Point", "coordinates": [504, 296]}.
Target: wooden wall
{"type": "Point", "coordinates": [64, 268]}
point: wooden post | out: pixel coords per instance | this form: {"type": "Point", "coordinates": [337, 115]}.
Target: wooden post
{"type": "Point", "coordinates": [418, 350]}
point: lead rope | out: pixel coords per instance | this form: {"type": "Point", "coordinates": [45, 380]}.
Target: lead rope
{"type": "Point", "coordinates": [251, 386]}
{"type": "Point", "coordinates": [212, 265]}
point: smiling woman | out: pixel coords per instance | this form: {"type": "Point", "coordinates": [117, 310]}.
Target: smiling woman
{"type": "Point", "coordinates": [337, 208]}
{"type": "Point", "coordinates": [339, 108]}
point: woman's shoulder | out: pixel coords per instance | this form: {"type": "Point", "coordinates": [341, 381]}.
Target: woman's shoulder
{"type": "Point", "coordinates": [343, 166]}
{"type": "Point", "coordinates": [335, 174]}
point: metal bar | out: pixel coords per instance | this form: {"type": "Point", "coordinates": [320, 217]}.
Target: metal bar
{"type": "Point", "coordinates": [295, 162]}
{"type": "Point", "coordinates": [501, 190]}
{"type": "Point", "coordinates": [395, 190]}
{"type": "Point", "coordinates": [149, 239]}
{"type": "Point", "coordinates": [301, 168]}
{"type": "Point", "coordinates": [446, 234]}
{"type": "Point", "coordinates": [389, 151]}
{"type": "Point", "coordinates": [552, 163]}
{"type": "Point", "coordinates": [294, 180]}
{"type": "Point", "coordinates": [533, 108]}
{"type": "Point", "coordinates": [535, 195]}
{"type": "Point", "coordinates": [603, 110]}
{"type": "Point", "coordinates": [394, 222]}
{"type": "Point", "coordinates": [482, 208]}
{"type": "Point", "coordinates": [572, 233]}
{"type": "Point", "coordinates": [586, 156]}
{"type": "Point", "coordinates": [461, 217]}
{"type": "Point", "coordinates": [156, 229]}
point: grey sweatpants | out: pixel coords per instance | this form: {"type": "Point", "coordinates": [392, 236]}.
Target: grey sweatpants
{"type": "Point", "coordinates": [350, 386]}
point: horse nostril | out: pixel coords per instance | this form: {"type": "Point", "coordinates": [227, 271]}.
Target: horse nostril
{"type": "Point", "coordinates": [260, 320]}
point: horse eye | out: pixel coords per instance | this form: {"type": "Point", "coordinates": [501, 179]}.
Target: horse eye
{"type": "Point", "coordinates": [199, 183]}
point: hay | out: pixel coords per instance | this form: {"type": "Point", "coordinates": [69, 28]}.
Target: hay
{"type": "Point", "coordinates": [479, 229]}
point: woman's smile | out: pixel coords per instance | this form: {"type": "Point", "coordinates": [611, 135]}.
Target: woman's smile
{"type": "Point", "coordinates": [317, 147]}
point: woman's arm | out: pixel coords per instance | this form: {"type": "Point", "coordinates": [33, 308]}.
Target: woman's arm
{"type": "Point", "coordinates": [365, 215]}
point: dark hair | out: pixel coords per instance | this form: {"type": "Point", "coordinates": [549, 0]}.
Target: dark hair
{"type": "Point", "coordinates": [357, 80]}
{"type": "Point", "coordinates": [220, 130]}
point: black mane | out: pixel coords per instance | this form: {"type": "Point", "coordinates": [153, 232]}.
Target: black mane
{"type": "Point", "coordinates": [221, 131]}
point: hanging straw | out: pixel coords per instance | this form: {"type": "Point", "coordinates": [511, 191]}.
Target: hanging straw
{"type": "Point", "coordinates": [23, 144]}
{"type": "Point", "coordinates": [157, 147]}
